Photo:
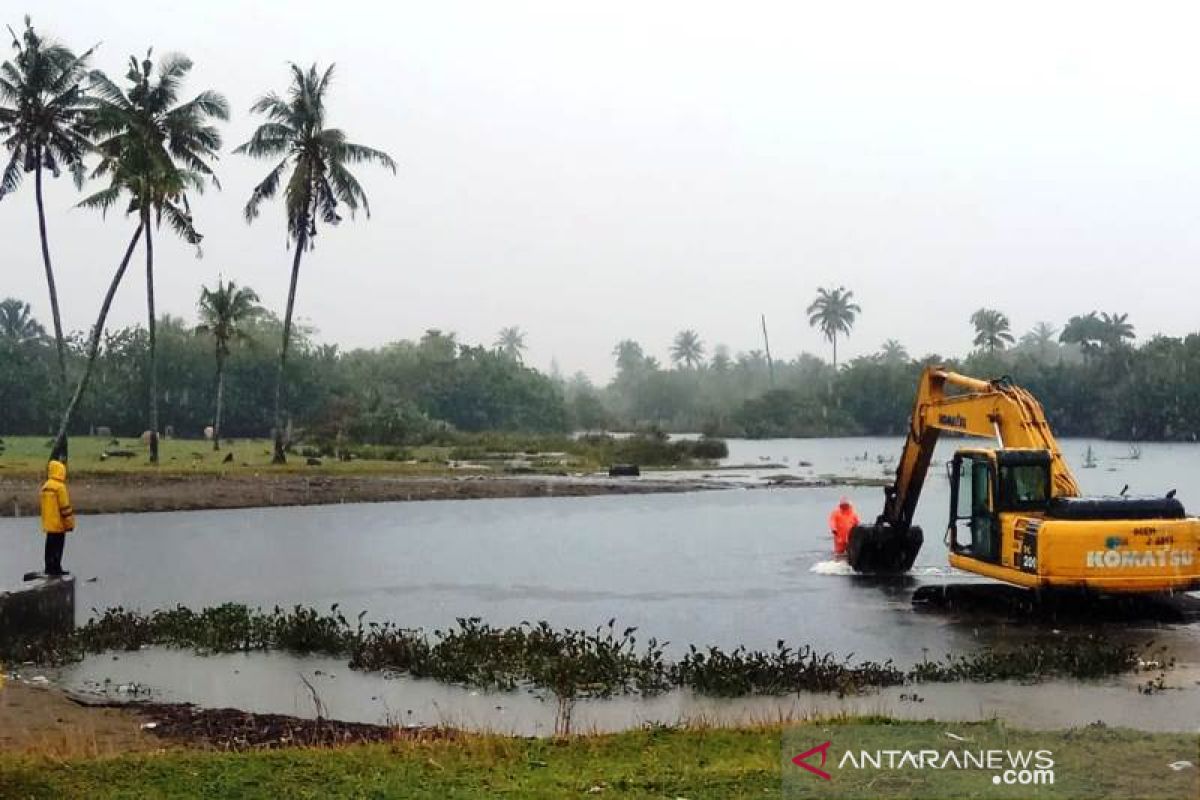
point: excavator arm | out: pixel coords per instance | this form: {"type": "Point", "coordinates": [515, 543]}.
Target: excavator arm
{"type": "Point", "coordinates": [947, 401]}
{"type": "Point", "coordinates": [990, 409]}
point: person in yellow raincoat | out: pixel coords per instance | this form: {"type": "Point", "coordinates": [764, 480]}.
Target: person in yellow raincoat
{"type": "Point", "coordinates": [58, 518]}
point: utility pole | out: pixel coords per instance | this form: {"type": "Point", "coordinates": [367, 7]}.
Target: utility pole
{"type": "Point", "coordinates": [767, 345]}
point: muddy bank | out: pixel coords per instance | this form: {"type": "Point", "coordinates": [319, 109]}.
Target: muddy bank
{"type": "Point", "coordinates": [234, 729]}
{"type": "Point", "coordinates": [41, 719]}
{"type": "Point", "coordinates": [113, 494]}
{"type": "Point", "coordinates": [46, 720]}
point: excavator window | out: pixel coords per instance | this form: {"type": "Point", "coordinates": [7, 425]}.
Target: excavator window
{"type": "Point", "coordinates": [1024, 483]}
{"type": "Point", "coordinates": [974, 527]}
{"type": "Point", "coordinates": [1024, 487]}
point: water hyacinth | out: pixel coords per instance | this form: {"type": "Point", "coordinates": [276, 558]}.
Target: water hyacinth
{"type": "Point", "coordinates": [567, 663]}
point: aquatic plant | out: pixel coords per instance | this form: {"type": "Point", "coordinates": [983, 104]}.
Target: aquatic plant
{"type": "Point", "coordinates": [781, 671]}
{"type": "Point", "coordinates": [1080, 656]}
{"type": "Point", "coordinates": [567, 663]}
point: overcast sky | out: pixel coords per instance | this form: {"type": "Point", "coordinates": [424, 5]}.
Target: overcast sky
{"type": "Point", "coordinates": [597, 171]}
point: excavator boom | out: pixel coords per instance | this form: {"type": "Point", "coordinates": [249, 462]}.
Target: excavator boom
{"type": "Point", "coordinates": [989, 409]}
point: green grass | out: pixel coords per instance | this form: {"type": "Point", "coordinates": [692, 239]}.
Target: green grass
{"type": "Point", "coordinates": [487, 453]}
{"type": "Point", "coordinates": [26, 455]}
{"type": "Point", "coordinates": [657, 763]}
{"type": "Point", "coordinates": [710, 764]}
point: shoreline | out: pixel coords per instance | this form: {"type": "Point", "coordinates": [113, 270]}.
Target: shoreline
{"type": "Point", "coordinates": [131, 493]}
{"type": "Point", "coordinates": [119, 494]}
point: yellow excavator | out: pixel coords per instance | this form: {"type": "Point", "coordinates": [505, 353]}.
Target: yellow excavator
{"type": "Point", "coordinates": [1016, 514]}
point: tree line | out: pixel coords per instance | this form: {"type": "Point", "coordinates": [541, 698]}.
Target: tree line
{"type": "Point", "coordinates": [401, 394]}
{"type": "Point", "coordinates": [1090, 376]}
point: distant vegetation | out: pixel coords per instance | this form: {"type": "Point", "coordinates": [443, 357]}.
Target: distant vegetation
{"type": "Point", "coordinates": [1090, 376]}
{"type": "Point", "coordinates": [1092, 380]}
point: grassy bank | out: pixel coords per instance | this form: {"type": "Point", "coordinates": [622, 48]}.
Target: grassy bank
{"type": "Point", "coordinates": [657, 763]}
{"type": "Point", "coordinates": [710, 764]}
{"type": "Point", "coordinates": [26, 456]}
{"type": "Point", "coordinates": [500, 453]}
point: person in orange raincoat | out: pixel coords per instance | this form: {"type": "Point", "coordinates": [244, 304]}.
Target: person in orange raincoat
{"type": "Point", "coordinates": [841, 521]}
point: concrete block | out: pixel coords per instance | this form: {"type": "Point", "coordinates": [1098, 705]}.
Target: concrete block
{"type": "Point", "coordinates": [38, 606]}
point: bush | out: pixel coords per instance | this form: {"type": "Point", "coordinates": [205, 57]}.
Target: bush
{"type": "Point", "coordinates": [786, 412]}
{"type": "Point", "coordinates": [395, 423]}
{"type": "Point", "coordinates": [379, 452]}
{"type": "Point", "coordinates": [709, 449]}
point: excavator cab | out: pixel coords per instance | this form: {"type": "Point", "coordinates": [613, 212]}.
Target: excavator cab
{"type": "Point", "coordinates": [984, 483]}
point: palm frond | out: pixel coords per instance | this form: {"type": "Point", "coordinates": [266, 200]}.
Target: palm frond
{"type": "Point", "coordinates": [11, 178]}
{"type": "Point", "coordinates": [180, 220]}
{"type": "Point", "coordinates": [360, 154]}
{"type": "Point", "coordinates": [108, 92]}
{"type": "Point", "coordinates": [206, 104]}
{"type": "Point", "coordinates": [265, 190]}
{"type": "Point", "coordinates": [348, 189]}
{"type": "Point", "coordinates": [102, 200]}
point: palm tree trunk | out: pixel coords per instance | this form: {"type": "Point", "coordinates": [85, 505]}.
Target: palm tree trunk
{"type": "Point", "coordinates": [835, 353]}
{"type": "Point", "coordinates": [58, 451]}
{"type": "Point", "coordinates": [220, 399]}
{"type": "Point", "coordinates": [280, 457]}
{"type": "Point", "coordinates": [59, 342]}
{"type": "Point", "coordinates": [151, 328]}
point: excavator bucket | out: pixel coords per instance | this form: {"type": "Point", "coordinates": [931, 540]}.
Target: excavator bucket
{"type": "Point", "coordinates": [883, 549]}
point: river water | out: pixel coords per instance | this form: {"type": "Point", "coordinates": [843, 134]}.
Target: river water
{"type": "Point", "coordinates": [746, 565]}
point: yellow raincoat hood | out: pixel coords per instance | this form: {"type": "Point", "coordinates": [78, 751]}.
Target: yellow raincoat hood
{"type": "Point", "coordinates": [56, 471]}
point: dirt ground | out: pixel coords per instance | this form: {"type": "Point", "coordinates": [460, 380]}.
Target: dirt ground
{"type": "Point", "coordinates": [133, 493]}
{"type": "Point", "coordinates": [40, 719]}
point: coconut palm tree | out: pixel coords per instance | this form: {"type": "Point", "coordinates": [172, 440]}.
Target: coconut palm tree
{"type": "Point", "coordinates": [629, 356]}
{"type": "Point", "coordinates": [17, 324]}
{"type": "Point", "coordinates": [992, 329]}
{"type": "Point", "coordinates": [1041, 339]}
{"type": "Point", "coordinates": [1116, 329]}
{"type": "Point", "coordinates": [1086, 330]}
{"type": "Point", "coordinates": [318, 158]}
{"type": "Point", "coordinates": [511, 342]}
{"type": "Point", "coordinates": [832, 313]}
{"type": "Point", "coordinates": [892, 352]}
{"type": "Point", "coordinates": [721, 361]}
{"type": "Point", "coordinates": [224, 312]}
{"type": "Point", "coordinates": [687, 349]}
{"type": "Point", "coordinates": [155, 150]}
{"type": "Point", "coordinates": [438, 346]}
{"type": "Point", "coordinates": [43, 109]}
{"type": "Point", "coordinates": [58, 450]}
